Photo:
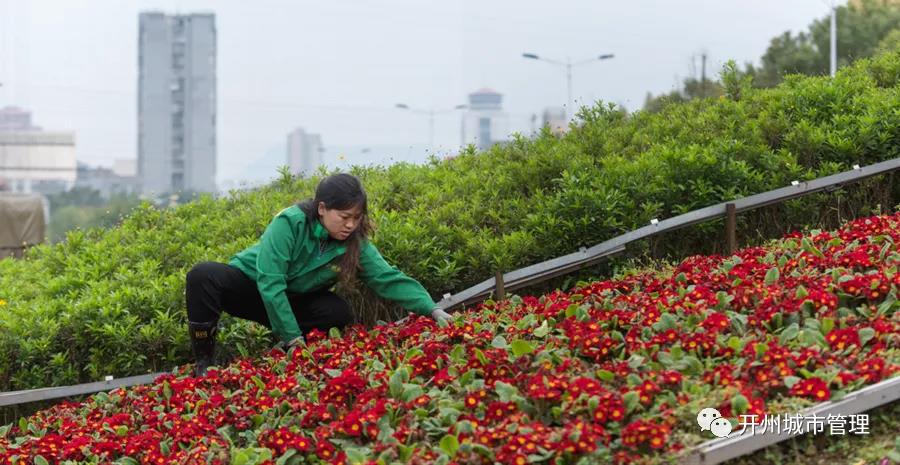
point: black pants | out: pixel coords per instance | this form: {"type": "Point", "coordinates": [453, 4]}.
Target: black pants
{"type": "Point", "coordinates": [213, 287]}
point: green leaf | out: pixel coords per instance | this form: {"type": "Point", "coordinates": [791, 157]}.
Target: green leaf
{"type": "Point", "coordinates": [239, 457]}
{"type": "Point", "coordinates": [865, 335]}
{"type": "Point", "coordinates": [633, 379]}
{"type": "Point", "coordinates": [411, 392]}
{"type": "Point", "coordinates": [666, 321]}
{"type": "Point", "coordinates": [334, 333]}
{"type": "Point", "coordinates": [499, 342]}
{"type": "Point", "coordinates": [505, 391]}
{"type": "Point", "coordinates": [760, 349]}
{"type": "Point", "coordinates": [665, 359]}
{"type": "Point", "coordinates": [772, 276]}
{"type": "Point", "coordinates": [395, 384]}
{"type": "Point", "coordinates": [605, 375]}
{"type": "Point", "coordinates": [40, 460]}
{"type": "Point", "coordinates": [789, 333]}
{"type": "Point", "coordinates": [458, 354]}
{"type": "Point", "coordinates": [542, 330]}
{"type": "Point", "coordinates": [827, 325]}
{"type": "Point", "coordinates": [808, 246]}
{"type": "Point", "coordinates": [692, 364]}
{"type": "Point", "coordinates": [739, 404]}
{"type": "Point", "coordinates": [356, 455]}
{"type": "Point", "coordinates": [631, 400]}
{"type": "Point", "coordinates": [521, 347]}
{"type": "Point", "coordinates": [790, 381]}
{"type": "Point", "coordinates": [449, 444]}
{"type": "Point", "coordinates": [885, 307]}
{"type": "Point", "coordinates": [467, 378]}
{"type": "Point", "coordinates": [406, 452]}
{"type": "Point", "coordinates": [284, 458]}
{"type": "Point", "coordinates": [259, 383]}
{"type": "Point", "coordinates": [480, 356]}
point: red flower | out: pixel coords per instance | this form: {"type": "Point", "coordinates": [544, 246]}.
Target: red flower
{"type": "Point", "coordinates": [813, 387]}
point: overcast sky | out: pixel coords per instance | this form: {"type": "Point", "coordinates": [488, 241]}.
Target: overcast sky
{"type": "Point", "coordinates": [339, 67]}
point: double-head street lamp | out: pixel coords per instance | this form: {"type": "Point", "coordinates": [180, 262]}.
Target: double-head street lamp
{"type": "Point", "coordinates": [568, 64]}
{"type": "Point", "coordinates": [430, 112]}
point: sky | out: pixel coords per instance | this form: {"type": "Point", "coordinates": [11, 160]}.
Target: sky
{"type": "Point", "coordinates": [339, 67]}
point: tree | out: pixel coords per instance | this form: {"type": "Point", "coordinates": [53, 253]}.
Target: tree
{"type": "Point", "coordinates": [861, 27]}
{"type": "Point", "coordinates": [865, 28]}
{"type": "Point", "coordinates": [692, 88]}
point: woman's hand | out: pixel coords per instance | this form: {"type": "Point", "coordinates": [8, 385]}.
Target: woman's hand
{"type": "Point", "coordinates": [287, 346]}
{"type": "Point", "coordinates": [440, 315]}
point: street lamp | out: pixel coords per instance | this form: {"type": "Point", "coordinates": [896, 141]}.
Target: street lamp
{"type": "Point", "coordinates": [568, 64]}
{"type": "Point", "coordinates": [430, 112]}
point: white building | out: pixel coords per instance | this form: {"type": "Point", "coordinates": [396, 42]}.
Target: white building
{"type": "Point", "coordinates": [177, 103]}
{"type": "Point", "coordinates": [37, 161]}
{"type": "Point", "coordinates": [485, 123]}
{"type": "Point", "coordinates": [304, 152]}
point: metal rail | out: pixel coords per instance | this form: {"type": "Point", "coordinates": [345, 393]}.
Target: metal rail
{"type": "Point", "coordinates": [733, 446]}
{"type": "Point", "coordinates": [35, 395]}
{"type": "Point", "coordinates": [561, 265]}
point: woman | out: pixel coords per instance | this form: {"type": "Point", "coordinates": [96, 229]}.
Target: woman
{"type": "Point", "coordinates": [282, 281]}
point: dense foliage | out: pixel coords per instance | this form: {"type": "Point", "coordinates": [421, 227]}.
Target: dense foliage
{"type": "Point", "coordinates": [609, 371]}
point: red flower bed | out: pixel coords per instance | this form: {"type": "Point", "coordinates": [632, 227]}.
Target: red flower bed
{"type": "Point", "coordinates": [612, 370]}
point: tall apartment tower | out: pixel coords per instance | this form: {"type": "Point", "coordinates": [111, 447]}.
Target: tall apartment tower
{"type": "Point", "coordinates": [177, 103]}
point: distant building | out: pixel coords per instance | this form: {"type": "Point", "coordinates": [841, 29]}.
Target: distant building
{"type": "Point", "coordinates": [177, 103]}
{"type": "Point", "coordinates": [555, 117]}
{"type": "Point", "coordinates": [37, 161]}
{"type": "Point", "coordinates": [485, 123]}
{"type": "Point", "coordinates": [304, 152]}
{"type": "Point", "coordinates": [125, 167]}
{"type": "Point", "coordinates": [16, 119]}
{"type": "Point", "coordinates": [108, 181]}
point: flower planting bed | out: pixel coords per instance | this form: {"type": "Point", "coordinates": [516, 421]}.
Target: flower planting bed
{"type": "Point", "coordinates": [612, 370]}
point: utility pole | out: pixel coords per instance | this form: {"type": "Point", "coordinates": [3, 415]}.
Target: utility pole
{"type": "Point", "coordinates": [568, 64]}
{"type": "Point", "coordinates": [703, 74]}
{"type": "Point", "coordinates": [833, 40]}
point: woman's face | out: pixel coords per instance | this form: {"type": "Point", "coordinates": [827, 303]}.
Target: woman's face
{"type": "Point", "coordinates": [340, 223]}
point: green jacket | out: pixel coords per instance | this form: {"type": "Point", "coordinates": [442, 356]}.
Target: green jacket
{"type": "Point", "coordinates": [287, 258]}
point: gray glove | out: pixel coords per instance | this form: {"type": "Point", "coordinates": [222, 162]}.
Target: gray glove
{"type": "Point", "coordinates": [440, 315]}
{"type": "Point", "coordinates": [295, 342]}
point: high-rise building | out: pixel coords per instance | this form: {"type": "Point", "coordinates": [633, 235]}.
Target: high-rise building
{"type": "Point", "coordinates": [485, 123]}
{"type": "Point", "coordinates": [177, 103]}
{"type": "Point", "coordinates": [304, 152]}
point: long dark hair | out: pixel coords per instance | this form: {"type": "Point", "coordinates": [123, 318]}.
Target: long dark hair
{"type": "Point", "coordinates": [343, 191]}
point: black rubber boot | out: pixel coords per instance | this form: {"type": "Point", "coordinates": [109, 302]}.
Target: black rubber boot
{"type": "Point", "coordinates": [203, 344]}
